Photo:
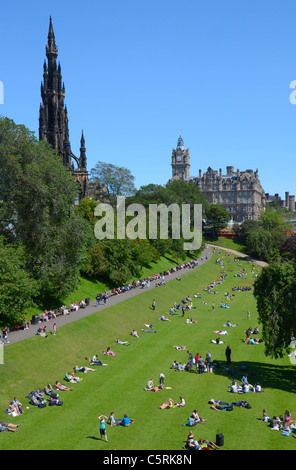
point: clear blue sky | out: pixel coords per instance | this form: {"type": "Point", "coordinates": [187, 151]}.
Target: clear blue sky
{"type": "Point", "coordinates": [136, 72]}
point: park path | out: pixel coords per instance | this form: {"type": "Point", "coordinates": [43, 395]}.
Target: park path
{"type": "Point", "coordinates": [16, 336]}
{"type": "Point", "coordinates": [241, 255]}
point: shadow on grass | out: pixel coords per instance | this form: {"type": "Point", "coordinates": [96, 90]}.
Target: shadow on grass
{"type": "Point", "coordinates": [268, 375]}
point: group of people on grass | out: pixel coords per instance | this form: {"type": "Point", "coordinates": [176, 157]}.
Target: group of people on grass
{"type": "Point", "coordinates": [282, 423]}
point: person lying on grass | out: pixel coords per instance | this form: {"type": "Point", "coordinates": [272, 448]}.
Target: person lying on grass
{"type": "Point", "coordinates": [83, 369]}
{"type": "Point", "coordinates": [217, 341]}
{"type": "Point", "coordinates": [219, 405]}
{"type": "Point", "coordinates": [122, 342]}
{"type": "Point", "coordinates": [167, 404]}
{"type": "Point", "coordinates": [62, 387]}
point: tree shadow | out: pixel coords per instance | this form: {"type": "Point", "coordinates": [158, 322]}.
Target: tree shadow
{"type": "Point", "coordinates": [268, 375]}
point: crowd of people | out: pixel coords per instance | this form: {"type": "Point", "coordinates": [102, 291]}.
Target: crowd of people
{"type": "Point", "coordinates": [197, 363]}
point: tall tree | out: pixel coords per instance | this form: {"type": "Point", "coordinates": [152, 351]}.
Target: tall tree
{"type": "Point", "coordinates": [17, 286]}
{"type": "Point", "coordinates": [217, 217]}
{"type": "Point", "coordinates": [37, 196]}
{"type": "Point", "coordinates": [275, 293]}
{"type": "Point", "coordinates": [118, 180]}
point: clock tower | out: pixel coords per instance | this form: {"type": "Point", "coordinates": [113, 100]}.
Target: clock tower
{"type": "Point", "coordinates": [180, 161]}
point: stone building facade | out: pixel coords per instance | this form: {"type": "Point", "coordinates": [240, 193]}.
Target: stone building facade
{"type": "Point", "coordinates": [240, 192]}
{"type": "Point", "coordinates": [53, 116]}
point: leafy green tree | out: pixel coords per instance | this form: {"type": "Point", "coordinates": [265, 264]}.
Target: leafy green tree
{"type": "Point", "coordinates": [86, 209]}
{"type": "Point", "coordinates": [118, 180]}
{"type": "Point", "coordinates": [17, 287]}
{"type": "Point", "coordinates": [272, 219]}
{"type": "Point", "coordinates": [37, 196]}
{"type": "Point", "coordinates": [275, 293]}
{"type": "Point", "coordinates": [263, 244]}
{"type": "Point", "coordinates": [217, 217]}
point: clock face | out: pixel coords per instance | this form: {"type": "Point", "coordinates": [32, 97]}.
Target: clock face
{"type": "Point", "coordinates": [179, 158]}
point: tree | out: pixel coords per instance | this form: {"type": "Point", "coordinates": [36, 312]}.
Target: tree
{"type": "Point", "coordinates": [17, 287]}
{"type": "Point", "coordinates": [275, 293]}
{"type": "Point", "coordinates": [217, 217]}
{"type": "Point", "coordinates": [118, 180]}
{"type": "Point", "coordinates": [37, 196]}
{"type": "Point", "coordinates": [264, 244]}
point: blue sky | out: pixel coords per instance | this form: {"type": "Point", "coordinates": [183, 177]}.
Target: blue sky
{"type": "Point", "coordinates": [137, 72]}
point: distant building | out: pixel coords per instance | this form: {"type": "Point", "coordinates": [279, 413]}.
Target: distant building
{"type": "Point", "coordinates": [288, 202]}
{"type": "Point", "coordinates": [240, 192]}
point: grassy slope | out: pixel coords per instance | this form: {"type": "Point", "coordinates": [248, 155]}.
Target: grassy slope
{"type": "Point", "coordinates": [119, 387]}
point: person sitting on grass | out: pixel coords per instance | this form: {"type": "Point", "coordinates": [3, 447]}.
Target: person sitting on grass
{"type": "Point", "coordinates": [150, 385]}
{"type": "Point", "coordinates": [112, 421]}
{"type": "Point", "coordinates": [194, 419]}
{"type": "Point", "coordinates": [95, 361]}
{"type": "Point", "coordinates": [126, 421]}
{"type": "Point", "coordinates": [164, 318]}
{"type": "Point", "coordinates": [181, 402]}
{"type": "Point", "coordinates": [42, 331]}
{"type": "Point", "coordinates": [135, 334]}
{"type": "Point", "coordinates": [71, 377]}
{"type": "Point", "coordinates": [48, 390]}
{"type": "Point", "coordinates": [192, 445]}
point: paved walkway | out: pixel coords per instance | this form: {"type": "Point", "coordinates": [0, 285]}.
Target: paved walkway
{"type": "Point", "coordinates": [20, 335]}
{"type": "Point", "coordinates": [241, 255]}
{"type": "Point", "coordinates": [16, 336]}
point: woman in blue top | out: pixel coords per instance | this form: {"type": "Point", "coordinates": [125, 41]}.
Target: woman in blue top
{"type": "Point", "coordinates": [103, 432]}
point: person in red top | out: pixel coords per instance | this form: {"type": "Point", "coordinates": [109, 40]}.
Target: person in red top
{"type": "Point", "coordinates": [196, 360]}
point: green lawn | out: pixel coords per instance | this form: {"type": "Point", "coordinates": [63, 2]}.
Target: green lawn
{"type": "Point", "coordinates": [119, 387]}
{"type": "Point", "coordinates": [229, 243]}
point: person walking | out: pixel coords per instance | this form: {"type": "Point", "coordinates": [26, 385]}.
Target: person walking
{"type": "Point", "coordinates": [54, 329]}
{"type": "Point", "coordinates": [228, 354]}
{"type": "Point", "coordinates": [213, 306]}
{"type": "Point", "coordinates": [103, 431]}
{"type": "Point", "coordinates": [153, 304]}
{"type": "Point", "coordinates": [5, 335]}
